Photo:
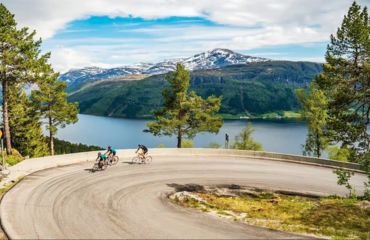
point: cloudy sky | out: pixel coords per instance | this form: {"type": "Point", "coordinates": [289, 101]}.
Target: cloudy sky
{"type": "Point", "coordinates": [110, 33]}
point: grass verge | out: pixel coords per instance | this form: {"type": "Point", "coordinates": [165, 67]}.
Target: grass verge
{"type": "Point", "coordinates": [335, 217]}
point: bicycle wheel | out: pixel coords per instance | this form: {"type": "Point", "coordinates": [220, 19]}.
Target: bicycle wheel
{"type": "Point", "coordinates": [95, 167]}
{"type": "Point", "coordinates": [105, 166]}
{"type": "Point", "coordinates": [107, 162]}
{"type": "Point", "coordinates": [115, 160]}
{"type": "Point", "coordinates": [135, 160]}
{"type": "Point", "coordinates": [148, 159]}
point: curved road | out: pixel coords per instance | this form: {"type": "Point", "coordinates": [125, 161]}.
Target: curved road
{"type": "Point", "coordinates": [130, 201]}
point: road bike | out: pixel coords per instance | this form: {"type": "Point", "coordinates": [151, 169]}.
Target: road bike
{"type": "Point", "coordinates": [112, 160]}
{"type": "Point", "coordinates": [139, 160]}
{"type": "Point", "coordinates": [97, 168]}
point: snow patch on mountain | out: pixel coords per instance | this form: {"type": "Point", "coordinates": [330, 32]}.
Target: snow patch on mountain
{"type": "Point", "coordinates": [215, 58]}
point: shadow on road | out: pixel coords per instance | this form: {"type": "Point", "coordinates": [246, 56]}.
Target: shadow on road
{"type": "Point", "coordinates": [191, 187]}
{"type": "Point", "coordinates": [128, 162]}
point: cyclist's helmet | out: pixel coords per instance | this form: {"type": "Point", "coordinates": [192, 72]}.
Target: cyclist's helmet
{"type": "Point", "coordinates": [109, 147]}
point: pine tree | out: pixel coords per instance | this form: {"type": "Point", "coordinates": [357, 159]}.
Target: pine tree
{"type": "Point", "coordinates": [25, 126]}
{"type": "Point", "coordinates": [346, 82]}
{"type": "Point", "coordinates": [51, 101]}
{"type": "Point", "coordinates": [314, 110]}
{"type": "Point", "coordinates": [184, 113]}
{"type": "Point", "coordinates": [19, 54]}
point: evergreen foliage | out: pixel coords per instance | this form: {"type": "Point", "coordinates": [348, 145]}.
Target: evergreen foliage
{"type": "Point", "coordinates": [51, 101]}
{"type": "Point", "coordinates": [19, 59]}
{"type": "Point", "coordinates": [314, 110]}
{"type": "Point", "coordinates": [185, 114]}
{"type": "Point", "coordinates": [244, 141]}
{"type": "Point", "coordinates": [64, 147]}
{"type": "Point", "coordinates": [346, 83]}
{"type": "Point", "coordinates": [25, 126]}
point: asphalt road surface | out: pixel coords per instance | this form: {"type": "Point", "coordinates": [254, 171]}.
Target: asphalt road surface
{"type": "Point", "coordinates": [130, 201]}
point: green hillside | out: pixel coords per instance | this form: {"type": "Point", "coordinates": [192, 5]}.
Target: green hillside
{"type": "Point", "coordinates": [252, 89]}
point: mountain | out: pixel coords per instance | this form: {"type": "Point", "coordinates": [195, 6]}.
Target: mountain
{"type": "Point", "coordinates": [248, 89]}
{"type": "Point", "coordinates": [213, 59]}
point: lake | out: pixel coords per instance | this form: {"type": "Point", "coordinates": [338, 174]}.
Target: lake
{"type": "Point", "coordinates": [285, 136]}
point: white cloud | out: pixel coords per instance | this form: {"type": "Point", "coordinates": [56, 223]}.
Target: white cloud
{"type": "Point", "coordinates": [49, 16]}
{"type": "Point", "coordinates": [243, 25]}
{"type": "Point", "coordinates": [64, 59]}
{"type": "Point", "coordinates": [169, 42]}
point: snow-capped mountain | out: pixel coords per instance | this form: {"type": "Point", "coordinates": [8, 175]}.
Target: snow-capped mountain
{"type": "Point", "coordinates": [215, 58]}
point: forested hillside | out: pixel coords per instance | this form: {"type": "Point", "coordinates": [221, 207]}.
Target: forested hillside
{"type": "Point", "coordinates": [250, 89]}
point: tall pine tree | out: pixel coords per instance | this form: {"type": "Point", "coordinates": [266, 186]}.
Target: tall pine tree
{"type": "Point", "coordinates": [184, 113]}
{"type": "Point", "coordinates": [346, 82]}
{"type": "Point", "coordinates": [25, 126]}
{"type": "Point", "coordinates": [19, 55]}
{"type": "Point", "coordinates": [51, 101]}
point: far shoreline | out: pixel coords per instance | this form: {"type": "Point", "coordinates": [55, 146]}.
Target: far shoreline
{"type": "Point", "coordinates": [287, 115]}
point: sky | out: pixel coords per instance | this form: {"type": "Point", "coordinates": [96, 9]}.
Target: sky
{"type": "Point", "coordinates": [111, 33]}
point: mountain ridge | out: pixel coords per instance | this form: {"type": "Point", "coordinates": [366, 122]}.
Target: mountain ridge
{"type": "Point", "coordinates": [211, 59]}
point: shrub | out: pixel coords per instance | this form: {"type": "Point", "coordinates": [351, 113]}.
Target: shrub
{"type": "Point", "coordinates": [244, 141]}
{"type": "Point", "coordinates": [13, 159]}
{"type": "Point", "coordinates": [187, 144]}
{"type": "Point", "coordinates": [339, 154]}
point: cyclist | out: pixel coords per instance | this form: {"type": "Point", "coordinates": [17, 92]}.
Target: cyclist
{"type": "Point", "coordinates": [141, 151]}
{"type": "Point", "coordinates": [111, 153]}
{"type": "Point", "coordinates": [101, 160]}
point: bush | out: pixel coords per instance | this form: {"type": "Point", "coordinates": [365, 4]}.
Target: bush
{"type": "Point", "coordinates": [161, 145]}
{"type": "Point", "coordinates": [244, 141]}
{"type": "Point", "coordinates": [187, 144]}
{"type": "Point", "coordinates": [339, 154]}
{"type": "Point", "coordinates": [344, 176]}
{"type": "Point", "coordinates": [13, 159]}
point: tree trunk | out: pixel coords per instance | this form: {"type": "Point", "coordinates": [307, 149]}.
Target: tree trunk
{"type": "Point", "coordinates": [8, 143]}
{"type": "Point", "coordinates": [51, 137]}
{"type": "Point", "coordinates": [179, 138]}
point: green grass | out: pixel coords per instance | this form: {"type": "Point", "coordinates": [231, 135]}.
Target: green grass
{"type": "Point", "coordinates": [13, 159]}
{"type": "Point", "coordinates": [338, 218]}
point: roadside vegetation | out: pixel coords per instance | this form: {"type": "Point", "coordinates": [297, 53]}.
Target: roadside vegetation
{"type": "Point", "coordinates": [22, 65]}
{"type": "Point", "coordinates": [337, 103]}
{"type": "Point", "coordinates": [335, 217]}
{"type": "Point", "coordinates": [244, 140]}
{"type": "Point", "coordinates": [185, 114]}
{"type": "Point", "coordinates": [14, 158]}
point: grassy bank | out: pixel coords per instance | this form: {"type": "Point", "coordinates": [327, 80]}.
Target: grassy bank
{"type": "Point", "coordinates": [271, 115]}
{"type": "Point", "coordinates": [338, 218]}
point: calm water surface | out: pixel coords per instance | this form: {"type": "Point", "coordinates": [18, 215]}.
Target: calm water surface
{"type": "Point", "coordinates": [286, 136]}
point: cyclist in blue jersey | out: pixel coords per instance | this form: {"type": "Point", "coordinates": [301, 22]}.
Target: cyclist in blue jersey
{"type": "Point", "coordinates": [101, 160]}
{"type": "Point", "coordinates": [111, 152]}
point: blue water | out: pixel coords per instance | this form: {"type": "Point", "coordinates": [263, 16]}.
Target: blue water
{"type": "Point", "coordinates": [285, 136]}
